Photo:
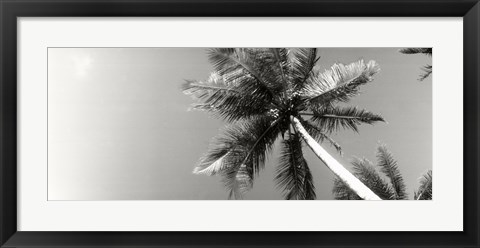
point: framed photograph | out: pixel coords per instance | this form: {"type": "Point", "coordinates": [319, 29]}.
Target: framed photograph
{"type": "Point", "coordinates": [239, 124]}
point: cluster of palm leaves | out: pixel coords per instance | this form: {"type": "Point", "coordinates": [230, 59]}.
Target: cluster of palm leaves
{"type": "Point", "coordinates": [267, 93]}
{"type": "Point", "coordinates": [391, 189]}
{"type": "Point", "coordinates": [427, 70]}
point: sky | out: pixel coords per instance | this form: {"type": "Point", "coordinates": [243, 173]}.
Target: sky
{"type": "Point", "coordinates": [120, 128]}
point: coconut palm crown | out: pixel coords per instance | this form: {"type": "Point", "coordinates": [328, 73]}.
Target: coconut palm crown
{"type": "Point", "coordinates": [265, 94]}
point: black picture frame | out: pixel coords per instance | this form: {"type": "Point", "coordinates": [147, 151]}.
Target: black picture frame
{"type": "Point", "coordinates": [10, 10]}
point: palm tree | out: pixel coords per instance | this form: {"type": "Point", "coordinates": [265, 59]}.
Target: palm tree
{"type": "Point", "coordinates": [265, 93]}
{"type": "Point", "coordinates": [427, 70]}
{"type": "Point", "coordinates": [391, 189]}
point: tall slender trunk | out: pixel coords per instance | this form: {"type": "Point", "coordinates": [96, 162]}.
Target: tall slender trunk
{"type": "Point", "coordinates": [348, 178]}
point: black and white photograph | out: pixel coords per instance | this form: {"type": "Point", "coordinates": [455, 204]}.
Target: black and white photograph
{"type": "Point", "coordinates": [244, 123]}
{"type": "Point", "coordinates": [239, 123]}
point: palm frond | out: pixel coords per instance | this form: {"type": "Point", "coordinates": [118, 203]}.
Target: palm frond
{"type": "Point", "coordinates": [389, 166]}
{"type": "Point", "coordinates": [215, 163]}
{"type": "Point", "coordinates": [238, 180]}
{"type": "Point", "coordinates": [224, 100]}
{"type": "Point", "coordinates": [303, 62]}
{"type": "Point", "coordinates": [266, 62]}
{"type": "Point", "coordinates": [427, 51]}
{"type": "Point", "coordinates": [248, 69]}
{"type": "Point", "coordinates": [427, 70]}
{"type": "Point", "coordinates": [258, 138]}
{"type": "Point", "coordinates": [424, 192]}
{"type": "Point", "coordinates": [204, 89]}
{"type": "Point", "coordinates": [242, 143]}
{"type": "Point", "coordinates": [283, 65]}
{"type": "Point", "coordinates": [309, 187]}
{"type": "Point", "coordinates": [332, 118]}
{"type": "Point", "coordinates": [339, 83]}
{"type": "Point", "coordinates": [293, 174]}
{"type": "Point", "coordinates": [366, 173]}
{"type": "Point", "coordinates": [341, 191]}
{"type": "Point", "coordinates": [319, 135]}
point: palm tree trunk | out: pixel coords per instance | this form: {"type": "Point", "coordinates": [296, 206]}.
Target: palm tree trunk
{"type": "Point", "coordinates": [348, 178]}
